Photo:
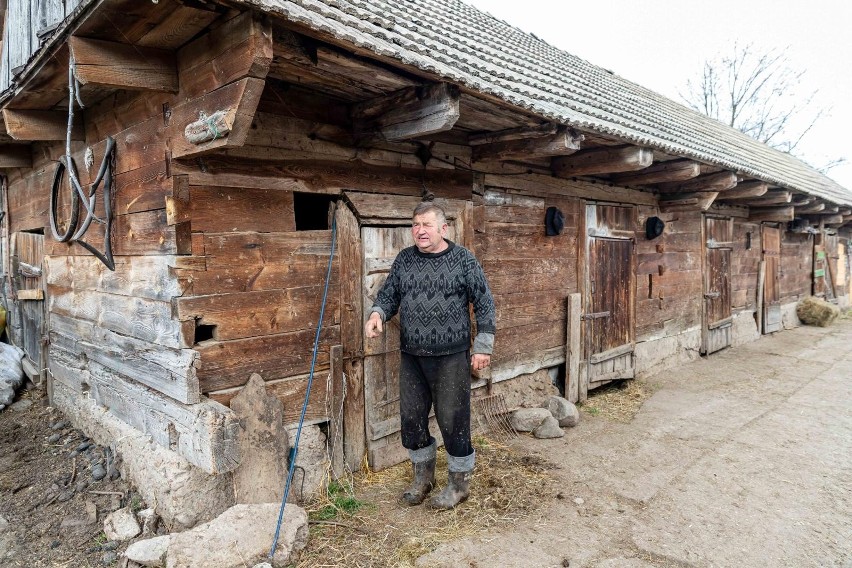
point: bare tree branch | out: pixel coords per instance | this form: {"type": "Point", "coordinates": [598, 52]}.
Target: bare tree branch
{"type": "Point", "coordinates": [759, 95]}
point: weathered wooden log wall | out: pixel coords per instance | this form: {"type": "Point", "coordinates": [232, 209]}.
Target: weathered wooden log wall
{"type": "Point", "coordinates": [745, 265]}
{"type": "Point", "coordinates": [669, 277]}
{"type": "Point", "coordinates": [796, 266]}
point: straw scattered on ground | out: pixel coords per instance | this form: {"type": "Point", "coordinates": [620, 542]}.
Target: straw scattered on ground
{"type": "Point", "coordinates": [618, 401]}
{"type": "Point", "coordinates": [364, 525]}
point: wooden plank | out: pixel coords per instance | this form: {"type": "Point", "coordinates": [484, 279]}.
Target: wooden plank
{"type": "Point", "coordinates": [335, 412]}
{"type": "Point", "coordinates": [237, 100]}
{"type": "Point", "coordinates": [232, 209]}
{"type": "Point", "coordinates": [411, 112]}
{"type": "Point", "coordinates": [141, 318]}
{"type": "Point", "coordinates": [252, 314]}
{"type": "Point", "coordinates": [562, 143]}
{"type": "Point", "coordinates": [35, 294]}
{"type": "Point", "coordinates": [573, 347]}
{"type": "Point", "coordinates": [774, 197]}
{"type": "Point", "coordinates": [771, 213]}
{"type": "Point", "coordinates": [540, 185]}
{"type": "Point", "coordinates": [716, 182]}
{"type": "Point", "coordinates": [169, 371]}
{"type": "Point", "coordinates": [239, 48]}
{"type": "Point", "coordinates": [134, 276]}
{"type": "Point", "coordinates": [671, 171]}
{"type": "Point", "coordinates": [226, 364]}
{"type": "Point", "coordinates": [205, 434]}
{"type": "Point", "coordinates": [40, 125]}
{"type": "Point", "coordinates": [123, 66]}
{"type": "Point", "coordinates": [16, 156]}
{"type": "Point", "coordinates": [602, 161]}
{"type": "Point", "coordinates": [182, 23]}
{"type": "Point", "coordinates": [746, 190]}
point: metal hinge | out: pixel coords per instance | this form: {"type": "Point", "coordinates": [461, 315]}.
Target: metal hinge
{"type": "Point", "coordinates": [712, 295]}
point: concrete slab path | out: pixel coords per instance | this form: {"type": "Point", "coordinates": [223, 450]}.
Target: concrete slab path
{"type": "Point", "coordinates": [740, 459]}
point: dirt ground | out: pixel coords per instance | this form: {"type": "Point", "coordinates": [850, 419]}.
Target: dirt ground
{"type": "Point", "coordinates": [739, 459]}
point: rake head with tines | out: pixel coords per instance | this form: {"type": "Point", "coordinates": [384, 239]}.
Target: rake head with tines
{"type": "Point", "coordinates": [492, 412]}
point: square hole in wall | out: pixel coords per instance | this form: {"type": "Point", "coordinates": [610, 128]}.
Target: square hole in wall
{"type": "Point", "coordinates": [312, 211]}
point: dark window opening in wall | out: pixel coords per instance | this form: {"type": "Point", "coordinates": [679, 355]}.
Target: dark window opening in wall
{"type": "Point", "coordinates": [204, 332]}
{"type": "Point", "coordinates": [312, 211]}
{"type": "Point", "coordinates": [748, 241]}
{"type": "Point", "coordinates": [39, 231]}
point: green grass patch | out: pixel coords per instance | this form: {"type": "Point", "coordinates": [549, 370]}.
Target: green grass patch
{"type": "Point", "coordinates": [341, 500]}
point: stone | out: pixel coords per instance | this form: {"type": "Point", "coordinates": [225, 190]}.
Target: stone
{"type": "Point", "coordinates": [579, 500]}
{"type": "Point", "coordinates": [549, 429]}
{"type": "Point", "coordinates": [59, 425]}
{"type": "Point", "coordinates": [528, 419]}
{"type": "Point", "coordinates": [65, 495]}
{"type": "Point", "coordinates": [21, 406]}
{"type": "Point", "coordinates": [82, 485]}
{"type": "Point", "coordinates": [263, 565]}
{"type": "Point", "coordinates": [239, 537]}
{"type": "Point", "coordinates": [149, 520]}
{"type": "Point", "coordinates": [264, 444]}
{"type": "Point", "coordinates": [98, 472]}
{"type": "Point", "coordinates": [91, 513]}
{"type": "Point", "coordinates": [121, 525]}
{"type": "Point", "coordinates": [563, 410]}
{"type": "Point", "coordinates": [4, 524]}
{"type": "Point", "coordinates": [109, 557]}
{"type": "Point", "coordinates": [53, 438]}
{"type": "Point", "coordinates": [312, 459]}
{"type": "Point", "coordinates": [149, 552]}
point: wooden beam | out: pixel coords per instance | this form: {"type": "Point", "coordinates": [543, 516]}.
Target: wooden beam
{"type": "Point", "coordinates": [562, 143]}
{"type": "Point", "coordinates": [845, 211]}
{"type": "Point", "coordinates": [747, 189]}
{"type": "Point", "coordinates": [40, 125]}
{"type": "Point", "coordinates": [602, 161]}
{"type": "Point", "coordinates": [520, 133]}
{"type": "Point", "coordinates": [780, 214]}
{"type": "Point", "coordinates": [572, 347]}
{"type": "Point", "coordinates": [123, 66]}
{"type": "Point", "coordinates": [408, 113]}
{"type": "Point", "coordinates": [697, 201]}
{"type": "Point", "coordinates": [716, 182]}
{"type": "Point", "coordinates": [810, 208]}
{"type": "Point", "coordinates": [16, 156]}
{"type": "Point", "coordinates": [827, 219]}
{"type": "Point", "coordinates": [774, 197]}
{"type": "Point", "coordinates": [674, 170]}
{"type": "Point", "coordinates": [799, 200]}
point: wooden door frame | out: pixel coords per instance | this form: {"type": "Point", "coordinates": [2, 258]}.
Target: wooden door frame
{"type": "Point", "coordinates": [590, 233]}
{"type": "Point", "coordinates": [763, 275]}
{"type": "Point", "coordinates": [705, 325]}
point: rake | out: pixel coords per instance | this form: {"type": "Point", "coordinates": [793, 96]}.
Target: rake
{"type": "Point", "coordinates": [492, 413]}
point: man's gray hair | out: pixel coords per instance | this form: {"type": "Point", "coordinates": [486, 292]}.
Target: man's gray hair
{"type": "Point", "coordinates": [426, 207]}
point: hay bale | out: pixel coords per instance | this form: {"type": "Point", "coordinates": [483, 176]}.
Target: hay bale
{"type": "Point", "coordinates": [816, 311]}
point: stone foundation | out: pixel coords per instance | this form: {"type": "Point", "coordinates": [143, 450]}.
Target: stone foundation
{"type": "Point", "coordinates": [789, 319]}
{"type": "Point", "coordinates": [182, 494]}
{"type": "Point", "coordinates": [744, 328]}
{"type": "Point", "coordinates": [655, 355]}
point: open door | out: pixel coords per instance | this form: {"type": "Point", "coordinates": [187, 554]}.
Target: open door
{"type": "Point", "coordinates": [609, 303]}
{"type": "Point", "coordinates": [385, 229]}
{"type": "Point", "coordinates": [718, 246]}
{"type": "Point", "coordinates": [771, 244]}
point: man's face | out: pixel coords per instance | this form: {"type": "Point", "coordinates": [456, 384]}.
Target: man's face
{"type": "Point", "coordinates": [428, 232]}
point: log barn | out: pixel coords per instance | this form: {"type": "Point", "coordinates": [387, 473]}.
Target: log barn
{"type": "Point", "coordinates": [223, 149]}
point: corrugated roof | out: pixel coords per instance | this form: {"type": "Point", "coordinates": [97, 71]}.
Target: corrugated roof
{"type": "Point", "coordinates": [461, 44]}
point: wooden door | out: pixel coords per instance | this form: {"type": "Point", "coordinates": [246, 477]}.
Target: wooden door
{"type": "Point", "coordinates": [382, 237]}
{"type": "Point", "coordinates": [771, 244]}
{"type": "Point", "coordinates": [27, 268]}
{"type": "Point", "coordinates": [609, 306]}
{"type": "Point", "coordinates": [718, 246]}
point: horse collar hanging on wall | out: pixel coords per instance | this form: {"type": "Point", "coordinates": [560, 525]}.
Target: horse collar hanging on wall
{"type": "Point", "coordinates": [76, 227]}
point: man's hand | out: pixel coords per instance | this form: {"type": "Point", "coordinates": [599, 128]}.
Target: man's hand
{"type": "Point", "coordinates": [479, 361]}
{"type": "Point", "coordinates": [374, 325]}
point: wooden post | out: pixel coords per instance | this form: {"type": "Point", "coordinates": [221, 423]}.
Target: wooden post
{"type": "Point", "coordinates": [335, 413]}
{"type": "Point", "coordinates": [572, 347]}
{"type": "Point", "coordinates": [761, 280]}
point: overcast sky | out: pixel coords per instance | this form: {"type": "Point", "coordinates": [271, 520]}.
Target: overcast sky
{"type": "Point", "coordinates": [660, 44]}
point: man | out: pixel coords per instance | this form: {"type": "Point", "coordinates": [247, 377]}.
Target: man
{"type": "Point", "coordinates": [432, 285]}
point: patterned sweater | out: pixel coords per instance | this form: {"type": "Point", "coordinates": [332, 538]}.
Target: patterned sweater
{"type": "Point", "coordinates": [432, 292]}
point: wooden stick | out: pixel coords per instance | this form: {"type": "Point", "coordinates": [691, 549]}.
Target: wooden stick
{"type": "Point", "coordinates": [761, 279]}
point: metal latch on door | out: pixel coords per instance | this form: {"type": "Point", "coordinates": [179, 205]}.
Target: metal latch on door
{"type": "Point", "coordinates": [595, 315]}
{"type": "Point", "coordinates": [712, 295]}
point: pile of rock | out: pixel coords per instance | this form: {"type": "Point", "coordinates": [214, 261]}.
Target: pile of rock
{"type": "Point", "coordinates": [239, 537]}
{"type": "Point", "coordinates": [11, 373]}
{"type": "Point", "coordinates": [547, 422]}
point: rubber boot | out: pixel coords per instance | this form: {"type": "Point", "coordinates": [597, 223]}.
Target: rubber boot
{"type": "Point", "coordinates": [424, 481]}
{"type": "Point", "coordinates": [456, 491]}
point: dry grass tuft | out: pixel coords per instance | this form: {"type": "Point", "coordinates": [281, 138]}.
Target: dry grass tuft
{"type": "Point", "coordinates": [506, 487]}
{"type": "Point", "coordinates": [619, 401]}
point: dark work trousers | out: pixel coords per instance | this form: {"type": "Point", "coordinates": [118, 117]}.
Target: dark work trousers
{"type": "Point", "coordinates": [445, 382]}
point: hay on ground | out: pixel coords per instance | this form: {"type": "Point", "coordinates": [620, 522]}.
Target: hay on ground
{"type": "Point", "coordinates": [618, 400]}
{"type": "Point", "coordinates": [816, 311]}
